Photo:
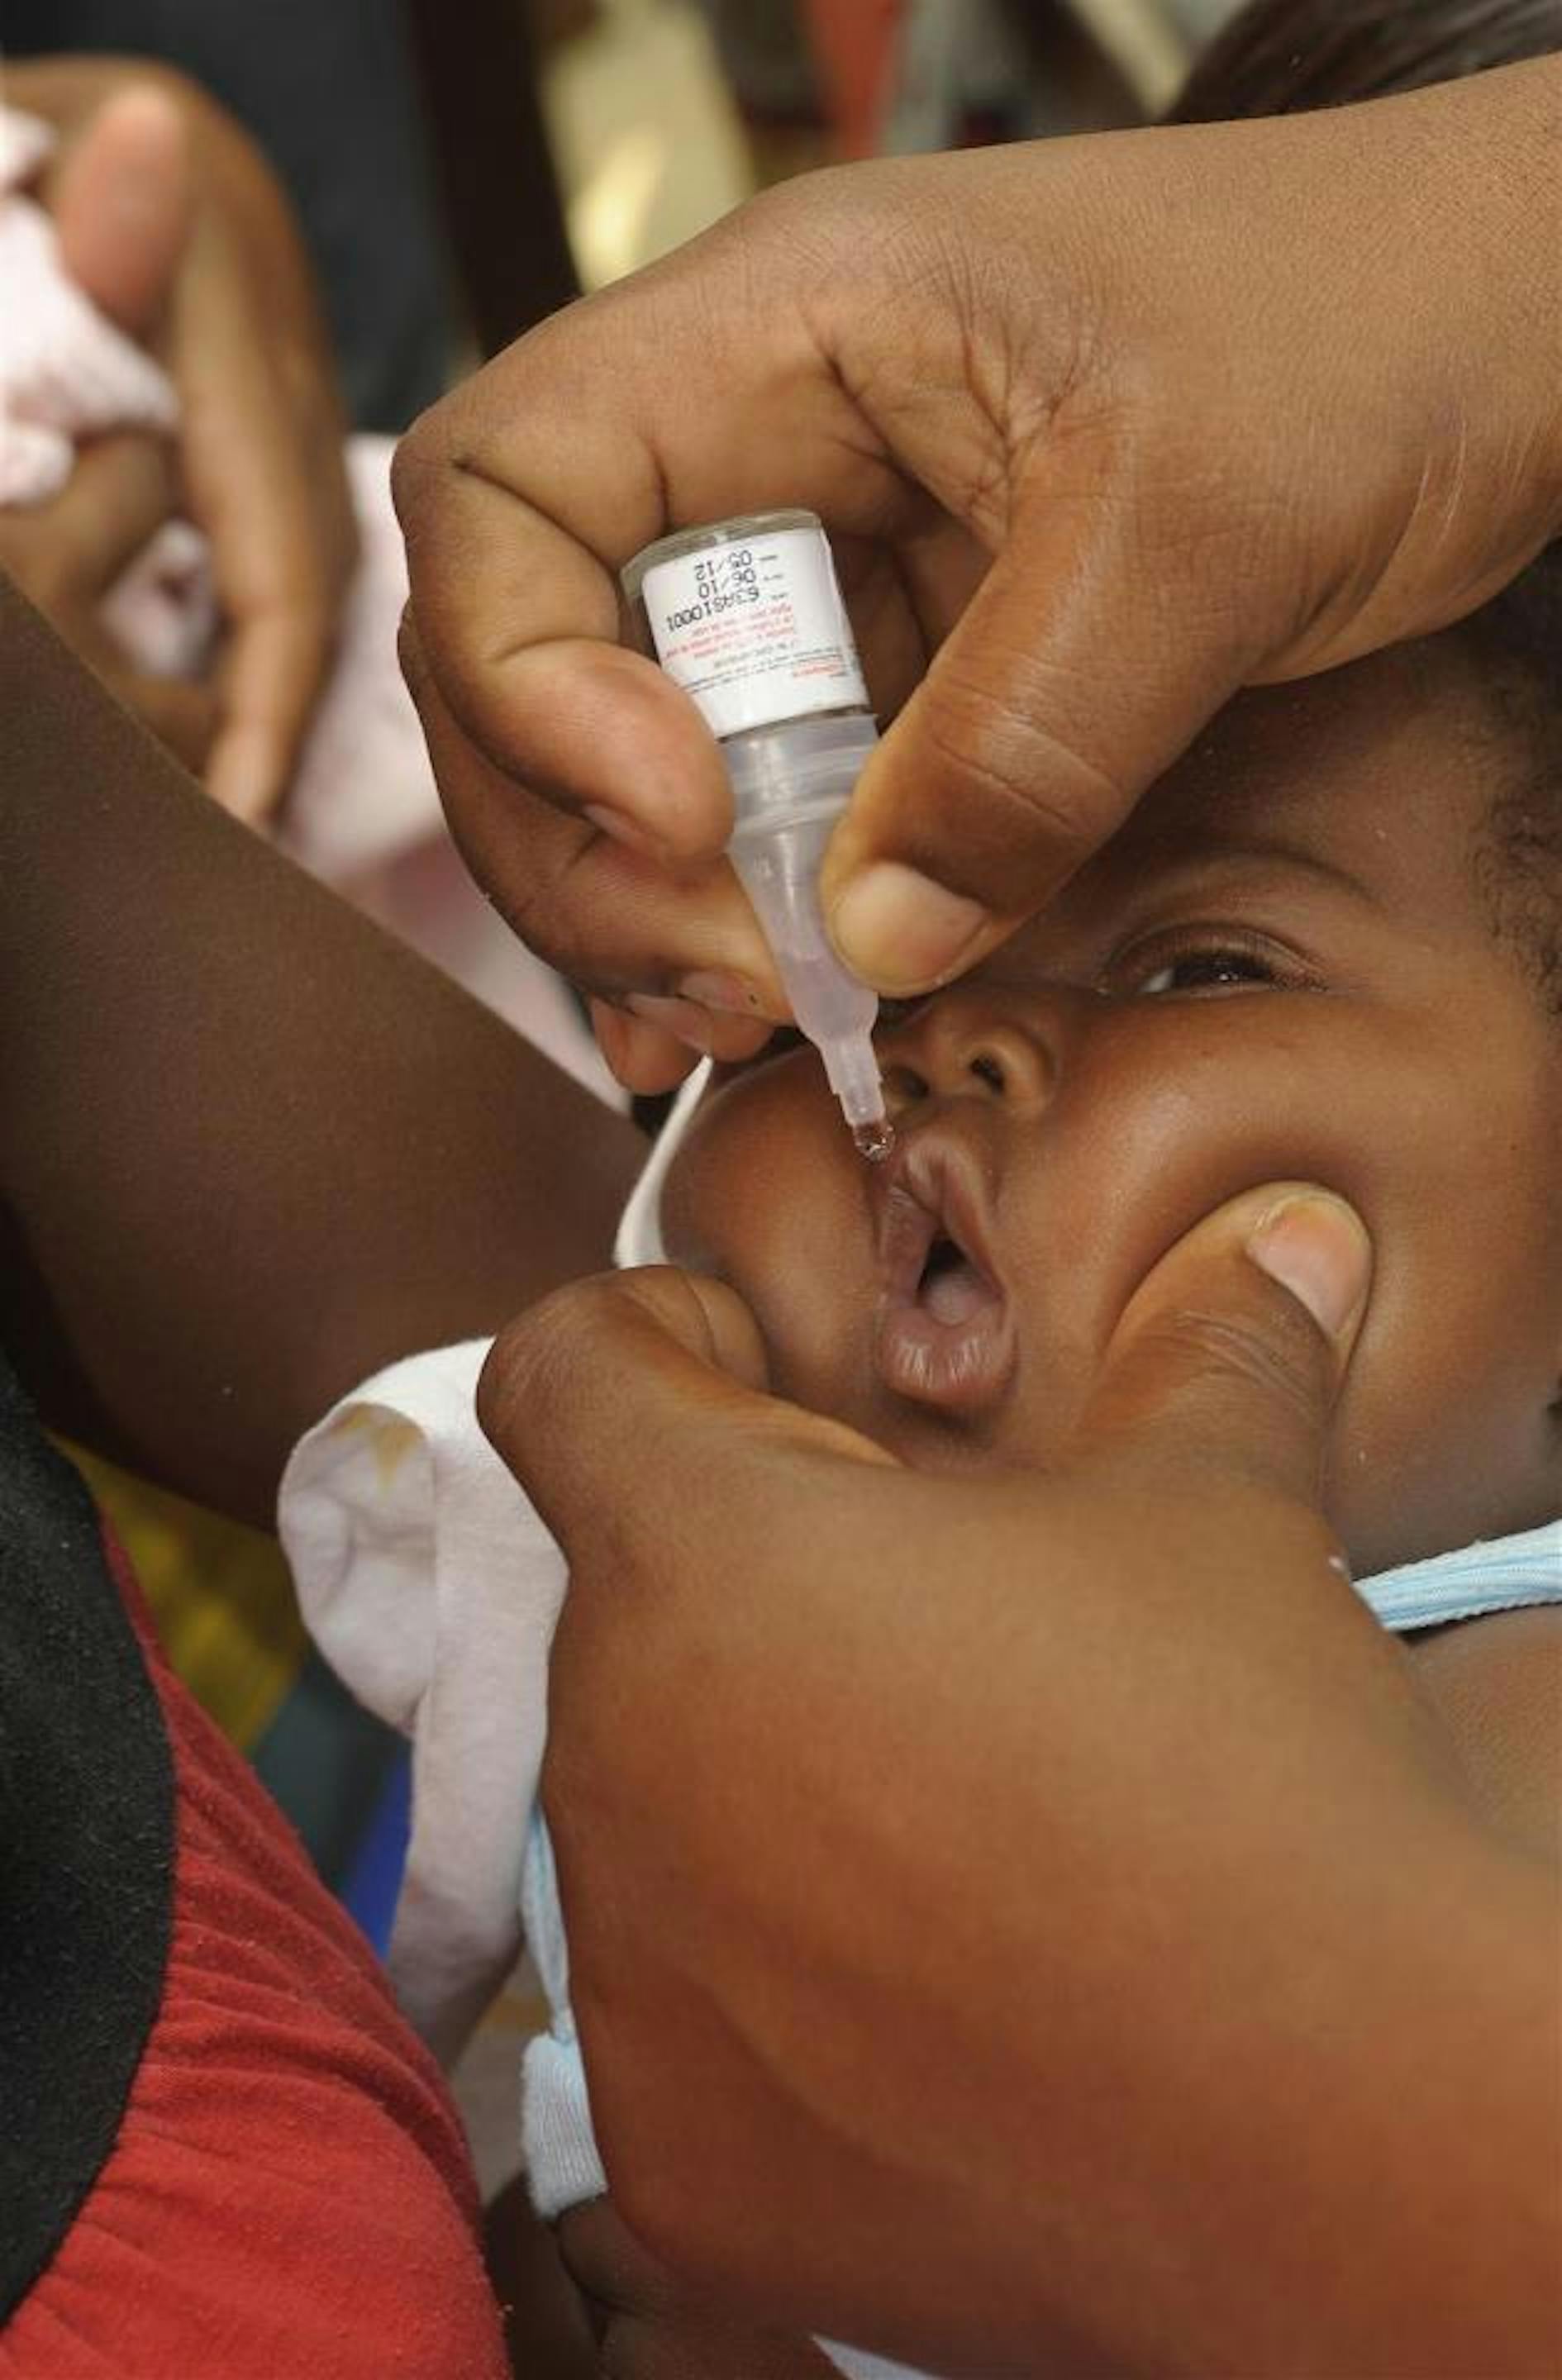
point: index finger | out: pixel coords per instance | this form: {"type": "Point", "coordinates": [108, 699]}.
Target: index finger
{"type": "Point", "coordinates": [695, 392]}
{"type": "Point", "coordinates": [519, 615]}
{"type": "Point", "coordinates": [655, 1376]}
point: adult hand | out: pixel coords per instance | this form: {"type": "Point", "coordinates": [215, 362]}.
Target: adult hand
{"type": "Point", "coordinates": [1103, 428]}
{"type": "Point", "coordinates": [66, 556]}
{"type": "Point", "coordinates": [1025, 1951]}
{"type": "Point", "coordinates": [169, 218]}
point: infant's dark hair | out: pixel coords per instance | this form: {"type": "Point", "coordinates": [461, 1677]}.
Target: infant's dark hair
{"type": "Point", "coordinates": [1282, 57]}
{"type": "Point", "coordinates": [1515, 645]}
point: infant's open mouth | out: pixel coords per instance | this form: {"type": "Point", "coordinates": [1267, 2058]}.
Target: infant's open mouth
{"type": "Point", "coordinates": [944, 1329]}
{"type": "Point", "coordinates": [951, 1289]}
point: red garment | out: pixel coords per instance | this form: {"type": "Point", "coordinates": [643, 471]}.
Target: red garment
{"type": "Point", "coordinates": [289, 2197]}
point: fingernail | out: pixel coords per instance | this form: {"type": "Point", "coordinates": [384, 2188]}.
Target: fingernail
{"type": "Point", "coordinates": [1316, 1246]}
{"type": "Point", "coordinates": [727, 992]}
{"type": "Point", "coordinates": [623, 830]}
{"type": "Point", "coordinates": [902, 931]}
{"type": "Point", "coordinates": [681, 1019]}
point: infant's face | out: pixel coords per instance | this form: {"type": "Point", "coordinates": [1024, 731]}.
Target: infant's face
{"type": "Point", "coordinates": [1281, 969]}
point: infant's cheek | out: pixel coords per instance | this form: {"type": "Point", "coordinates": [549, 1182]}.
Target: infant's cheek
{"type": "Point", "coordinates": [809, 1277]}
{"type": "Point", "coordinates": [736, 1162]}
{"type": "Point", "coordinates": [813, 1362]}
{"type": "Point", "coordinates": [1140, 1175]}
{"type": "Point", "coordinates": [768, 1193]}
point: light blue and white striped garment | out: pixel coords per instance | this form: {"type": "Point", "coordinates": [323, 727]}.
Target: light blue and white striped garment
{"type": "Point", "coordinates": [1482, 1578]}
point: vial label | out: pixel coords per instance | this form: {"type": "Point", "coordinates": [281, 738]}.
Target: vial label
{"type": "Point", "coordinates": [755, 631]}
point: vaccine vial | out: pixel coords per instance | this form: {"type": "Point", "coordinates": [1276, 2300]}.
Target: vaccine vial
{"type": "Point", "coordinates": [746, 616]}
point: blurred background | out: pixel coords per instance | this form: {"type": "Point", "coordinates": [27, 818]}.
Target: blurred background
{"type": "Point", "coordinates": [459, 173]}
{"type": "Point", "coordinates": [661, 114]}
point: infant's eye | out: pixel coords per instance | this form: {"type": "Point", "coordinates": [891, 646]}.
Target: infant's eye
{"type": "Point", "coordinates": [1205, 959]}
{"type": "Point", "coordinates": [1215, 969]}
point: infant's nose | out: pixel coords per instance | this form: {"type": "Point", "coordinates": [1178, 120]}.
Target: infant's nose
{"type": "Point", "coordinates": [967, 1045]}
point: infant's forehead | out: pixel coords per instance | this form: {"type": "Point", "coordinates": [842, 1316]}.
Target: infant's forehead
{"type": "Point", "coordinates": [1357, 765]}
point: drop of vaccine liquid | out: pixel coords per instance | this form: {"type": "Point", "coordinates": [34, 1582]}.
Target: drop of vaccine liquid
{"type": "Point", "coordinates": [874, 1140]}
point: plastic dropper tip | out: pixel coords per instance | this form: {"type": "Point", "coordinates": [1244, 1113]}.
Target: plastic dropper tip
{"type": "Point", "coordinates": [874, 1140]}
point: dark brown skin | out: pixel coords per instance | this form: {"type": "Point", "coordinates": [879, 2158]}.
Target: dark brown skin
{"type": "Point", "coordinates": [1104, 430]}
{"type": "Point", "coordinates": [252, 1148]}
{"type": "Point", "coordinates": [1092, 1955]}
{"type": "Point", "coordinates": [1283, 966]}
{"type": "Point", "coordinates": [1363, 1027]}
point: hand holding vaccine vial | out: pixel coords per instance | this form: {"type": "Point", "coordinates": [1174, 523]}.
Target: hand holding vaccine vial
{"type": "Point", "coordinates": [747, 617]}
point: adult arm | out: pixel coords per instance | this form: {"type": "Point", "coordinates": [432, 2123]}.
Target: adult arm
{"type": "Point", "coordinates": [1103, 428]}
{"type": "Point", "coordinates": [219, 1211]}
{"type": "Point", "coordinates": [172, 220]}
{"type": "Point", "coordinates": [1091, 1956]}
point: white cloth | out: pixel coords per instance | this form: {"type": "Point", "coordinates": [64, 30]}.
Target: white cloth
{"type": "Point", "coordinates": [65, 372]}
{"type": "Point", "coordinates": [429, 1582]}
{"type": "Point", "coordinates": [432, 1589]}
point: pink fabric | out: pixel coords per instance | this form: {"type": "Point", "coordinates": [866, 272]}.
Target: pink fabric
{"type": "Point", "coordinates": [363, 812]}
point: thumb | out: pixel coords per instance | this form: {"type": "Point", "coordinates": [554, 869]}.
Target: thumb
{"type": "Point", "coordinates": [1231, 1352]}
{"type": "Point", "coordinates": [123, 206]}
{"type": "Point", "coordinates": [610, 1396]}
{"type": "Point", "coordinates": [1083, 667]}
